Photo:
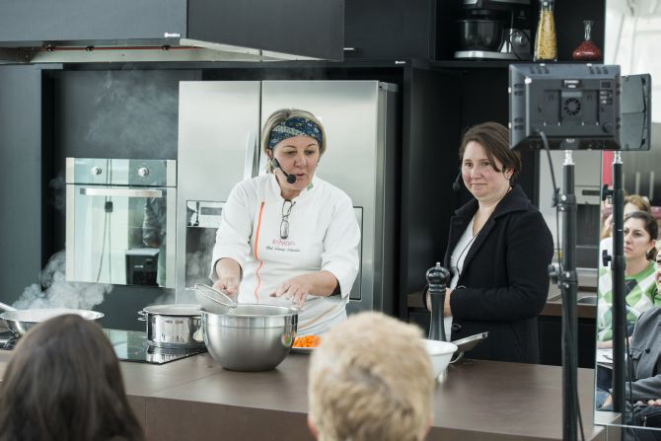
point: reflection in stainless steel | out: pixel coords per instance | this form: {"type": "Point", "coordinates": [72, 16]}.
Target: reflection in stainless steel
{"type": "Point", "coordinates": [133, 346]}
{"type": "Point", "coordinates": [128, 345]}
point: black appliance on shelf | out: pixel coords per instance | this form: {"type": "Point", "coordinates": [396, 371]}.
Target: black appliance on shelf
{"type": "Point", "coordinates": [495, 29]}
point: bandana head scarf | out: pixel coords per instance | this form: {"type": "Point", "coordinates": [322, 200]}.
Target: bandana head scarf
{"type": "Point", "coordinates": [296, 126]}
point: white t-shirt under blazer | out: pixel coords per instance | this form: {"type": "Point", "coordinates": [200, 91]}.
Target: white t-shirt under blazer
{"type": "Point", "coordinates": [323, 235]}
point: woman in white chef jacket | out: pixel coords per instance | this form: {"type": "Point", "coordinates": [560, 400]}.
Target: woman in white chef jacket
{"type": "Point", "coordinates": [283, 240]}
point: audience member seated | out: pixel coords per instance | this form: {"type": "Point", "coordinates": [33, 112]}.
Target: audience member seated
{"type": "Point", "coordinates": [632, 203]}
{"type": "Point", "coordinates": [370, 379]}
{"type": "Point", "coordinates": [640, 233]}
{"type": "Point", "coordinates": [64, 383]}
{"type": "Point", "coordinates": [643, 393]}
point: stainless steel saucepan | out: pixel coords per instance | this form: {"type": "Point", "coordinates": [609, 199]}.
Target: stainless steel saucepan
{"type": "Point", "coordinates": [174, 326]}
{"type": "Point", "coordinates": [19, 321]}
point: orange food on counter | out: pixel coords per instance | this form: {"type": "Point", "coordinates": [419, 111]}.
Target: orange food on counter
{"type": "Point", "coordinates": [308, 341]}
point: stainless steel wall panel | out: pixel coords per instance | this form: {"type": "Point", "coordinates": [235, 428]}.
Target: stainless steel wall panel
{"type": "Point", "coordinates": [218, 124]}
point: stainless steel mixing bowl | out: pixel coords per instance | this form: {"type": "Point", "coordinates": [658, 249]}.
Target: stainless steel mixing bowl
{"type": "Point", "coordinates": [250, 338]}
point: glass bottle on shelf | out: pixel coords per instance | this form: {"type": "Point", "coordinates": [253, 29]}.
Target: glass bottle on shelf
{"type": "Point", "coordinates": [587, 51]}
{"type": "Point", "coordinates": [545, 42]}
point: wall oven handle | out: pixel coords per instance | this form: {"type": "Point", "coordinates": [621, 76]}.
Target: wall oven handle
{"type": "Point", "coordinates": [122, 192]}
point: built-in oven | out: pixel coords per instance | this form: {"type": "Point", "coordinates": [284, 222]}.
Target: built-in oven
{"type": "Point", "coordinates": [120, 221]}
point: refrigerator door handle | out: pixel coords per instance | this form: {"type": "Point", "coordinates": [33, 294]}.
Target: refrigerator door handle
{"type": "Point", "coordinates": [251, 149]}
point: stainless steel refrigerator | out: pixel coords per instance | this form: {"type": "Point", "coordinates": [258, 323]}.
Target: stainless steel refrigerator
{"type": "Point", "coordinates": [219, 145]}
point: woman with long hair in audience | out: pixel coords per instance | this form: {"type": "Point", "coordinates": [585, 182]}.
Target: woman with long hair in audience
{"type": "Point", "coordinates": [64, 383]}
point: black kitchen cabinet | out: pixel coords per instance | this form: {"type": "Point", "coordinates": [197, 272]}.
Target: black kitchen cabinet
{"type": "Point", "coordinates": [479, 94]}
{"type": "Point", "coordinates": [429, 30]}
{"type": "Point", "coordinates": [568, 16]}
{"type": "Point", "coordinates": [550, 341]}
{"type": "Point", "coordinates": [21, 179]}
{"type": "Point", "coordinates": [390, 29]}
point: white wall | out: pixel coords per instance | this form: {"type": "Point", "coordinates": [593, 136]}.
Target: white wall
{"type": "Point", "coordinates": [587, 176]}
{"type": "Point", "coordinates": [633, 40]}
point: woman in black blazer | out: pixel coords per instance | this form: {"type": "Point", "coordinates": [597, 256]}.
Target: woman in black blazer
{"type": "Point", "coordinates": [498, 252]}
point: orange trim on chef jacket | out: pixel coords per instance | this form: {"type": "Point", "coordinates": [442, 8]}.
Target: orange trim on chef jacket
{"type": "Point", "coordinates": [259, 225]}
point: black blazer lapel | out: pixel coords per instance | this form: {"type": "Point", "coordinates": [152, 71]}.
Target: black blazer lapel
{"type": "Point", "coordinates": [514, 200]}
{"type": "Point", "coordinates": [458, 225]}
{"type": "Point", "coordinates": [479, 240]}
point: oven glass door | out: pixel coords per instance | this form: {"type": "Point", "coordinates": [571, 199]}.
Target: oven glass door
{"type": "Point", "coordinates": [121, 235]}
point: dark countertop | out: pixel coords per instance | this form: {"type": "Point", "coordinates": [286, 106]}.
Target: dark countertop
{"type": "Point", "coordinates": [553, 307]}
{"type": "Point", "coordinates": [587, 287]}
{"type": "Point", "coordinates": [479, 400]}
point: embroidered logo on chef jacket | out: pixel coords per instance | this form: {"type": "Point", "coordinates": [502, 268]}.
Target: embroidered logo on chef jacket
{"type": "Point", "coordinates": [283, 245]}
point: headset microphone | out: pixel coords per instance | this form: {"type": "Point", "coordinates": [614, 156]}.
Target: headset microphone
{"type": "Point", "coordinates": [456, 185]}
{"type": "Point", "coordinates": [290, 178]}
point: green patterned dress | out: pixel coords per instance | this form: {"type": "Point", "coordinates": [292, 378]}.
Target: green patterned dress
{"type": "Point", "coordinates": [641, 295]}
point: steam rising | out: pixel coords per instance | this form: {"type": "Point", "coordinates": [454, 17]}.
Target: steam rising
{"type": "Point", "coordinates": [135, 112]}
{"type": "Point", "coordinates": [58, 198]}
{"type": "Point", "coordinates": [58, 293]}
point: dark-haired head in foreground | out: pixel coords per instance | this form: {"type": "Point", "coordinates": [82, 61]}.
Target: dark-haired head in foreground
{"type": "Point", "coordinates": [64, 383]}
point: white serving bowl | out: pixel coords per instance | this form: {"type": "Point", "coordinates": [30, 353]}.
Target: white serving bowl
{"type": "Point", "coordinates": [440, 353]}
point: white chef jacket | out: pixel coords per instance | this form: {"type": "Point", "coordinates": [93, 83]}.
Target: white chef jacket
{"type": "Point", "coordinates": [323, 235]}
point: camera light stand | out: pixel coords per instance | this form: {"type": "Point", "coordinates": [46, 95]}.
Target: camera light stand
{"type": "Point", "coordinates": [619, 302]}
{"type": "Point", "coordinates": [566, 278]}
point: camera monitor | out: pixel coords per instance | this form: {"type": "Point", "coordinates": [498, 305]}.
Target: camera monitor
{"type": "Point", "coordinates": [577, 107]}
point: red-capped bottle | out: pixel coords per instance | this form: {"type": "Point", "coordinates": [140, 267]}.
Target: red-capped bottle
{"type": "Point", "coordinates": [587, 51]}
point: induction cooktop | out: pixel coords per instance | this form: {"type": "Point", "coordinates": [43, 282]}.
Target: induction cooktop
{"type": "Point", "coordinates": [128, 346]}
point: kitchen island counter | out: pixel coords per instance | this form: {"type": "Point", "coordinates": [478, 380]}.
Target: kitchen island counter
{"type": "Point", "coordinates": [480, 400]}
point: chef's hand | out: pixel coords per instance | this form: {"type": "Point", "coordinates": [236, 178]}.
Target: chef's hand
{"type": "Point", "coordinates": [229, 276]}
{"type": "Point", "coordinates": [654, 403]}
{"type": "Point", "coordinates": [229, 285]}
{"type": "Point", "coordinates": [446, 308]}
{"type": "Point", "coordinates": [296, 289]}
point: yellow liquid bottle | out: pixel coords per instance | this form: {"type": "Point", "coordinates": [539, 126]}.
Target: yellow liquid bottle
{"type": "Point", "coordinates": [545, 41]}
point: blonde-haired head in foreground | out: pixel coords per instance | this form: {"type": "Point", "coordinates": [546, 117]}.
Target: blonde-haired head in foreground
{"type": "Point", "coordinates": [370, 379]}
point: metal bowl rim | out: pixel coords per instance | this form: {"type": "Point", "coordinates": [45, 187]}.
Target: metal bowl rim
{"type": "Point", "coordinates": [53, 312]}
{"type": "Point", "coordinates": [286, 312]}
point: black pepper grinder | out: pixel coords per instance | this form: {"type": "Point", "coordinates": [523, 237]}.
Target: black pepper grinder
{"type": "Point", "coordinates": [437, 279]}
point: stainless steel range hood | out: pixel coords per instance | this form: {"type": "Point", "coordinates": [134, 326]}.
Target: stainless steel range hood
{"type": "Point", "coordinates": [86, 31]}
